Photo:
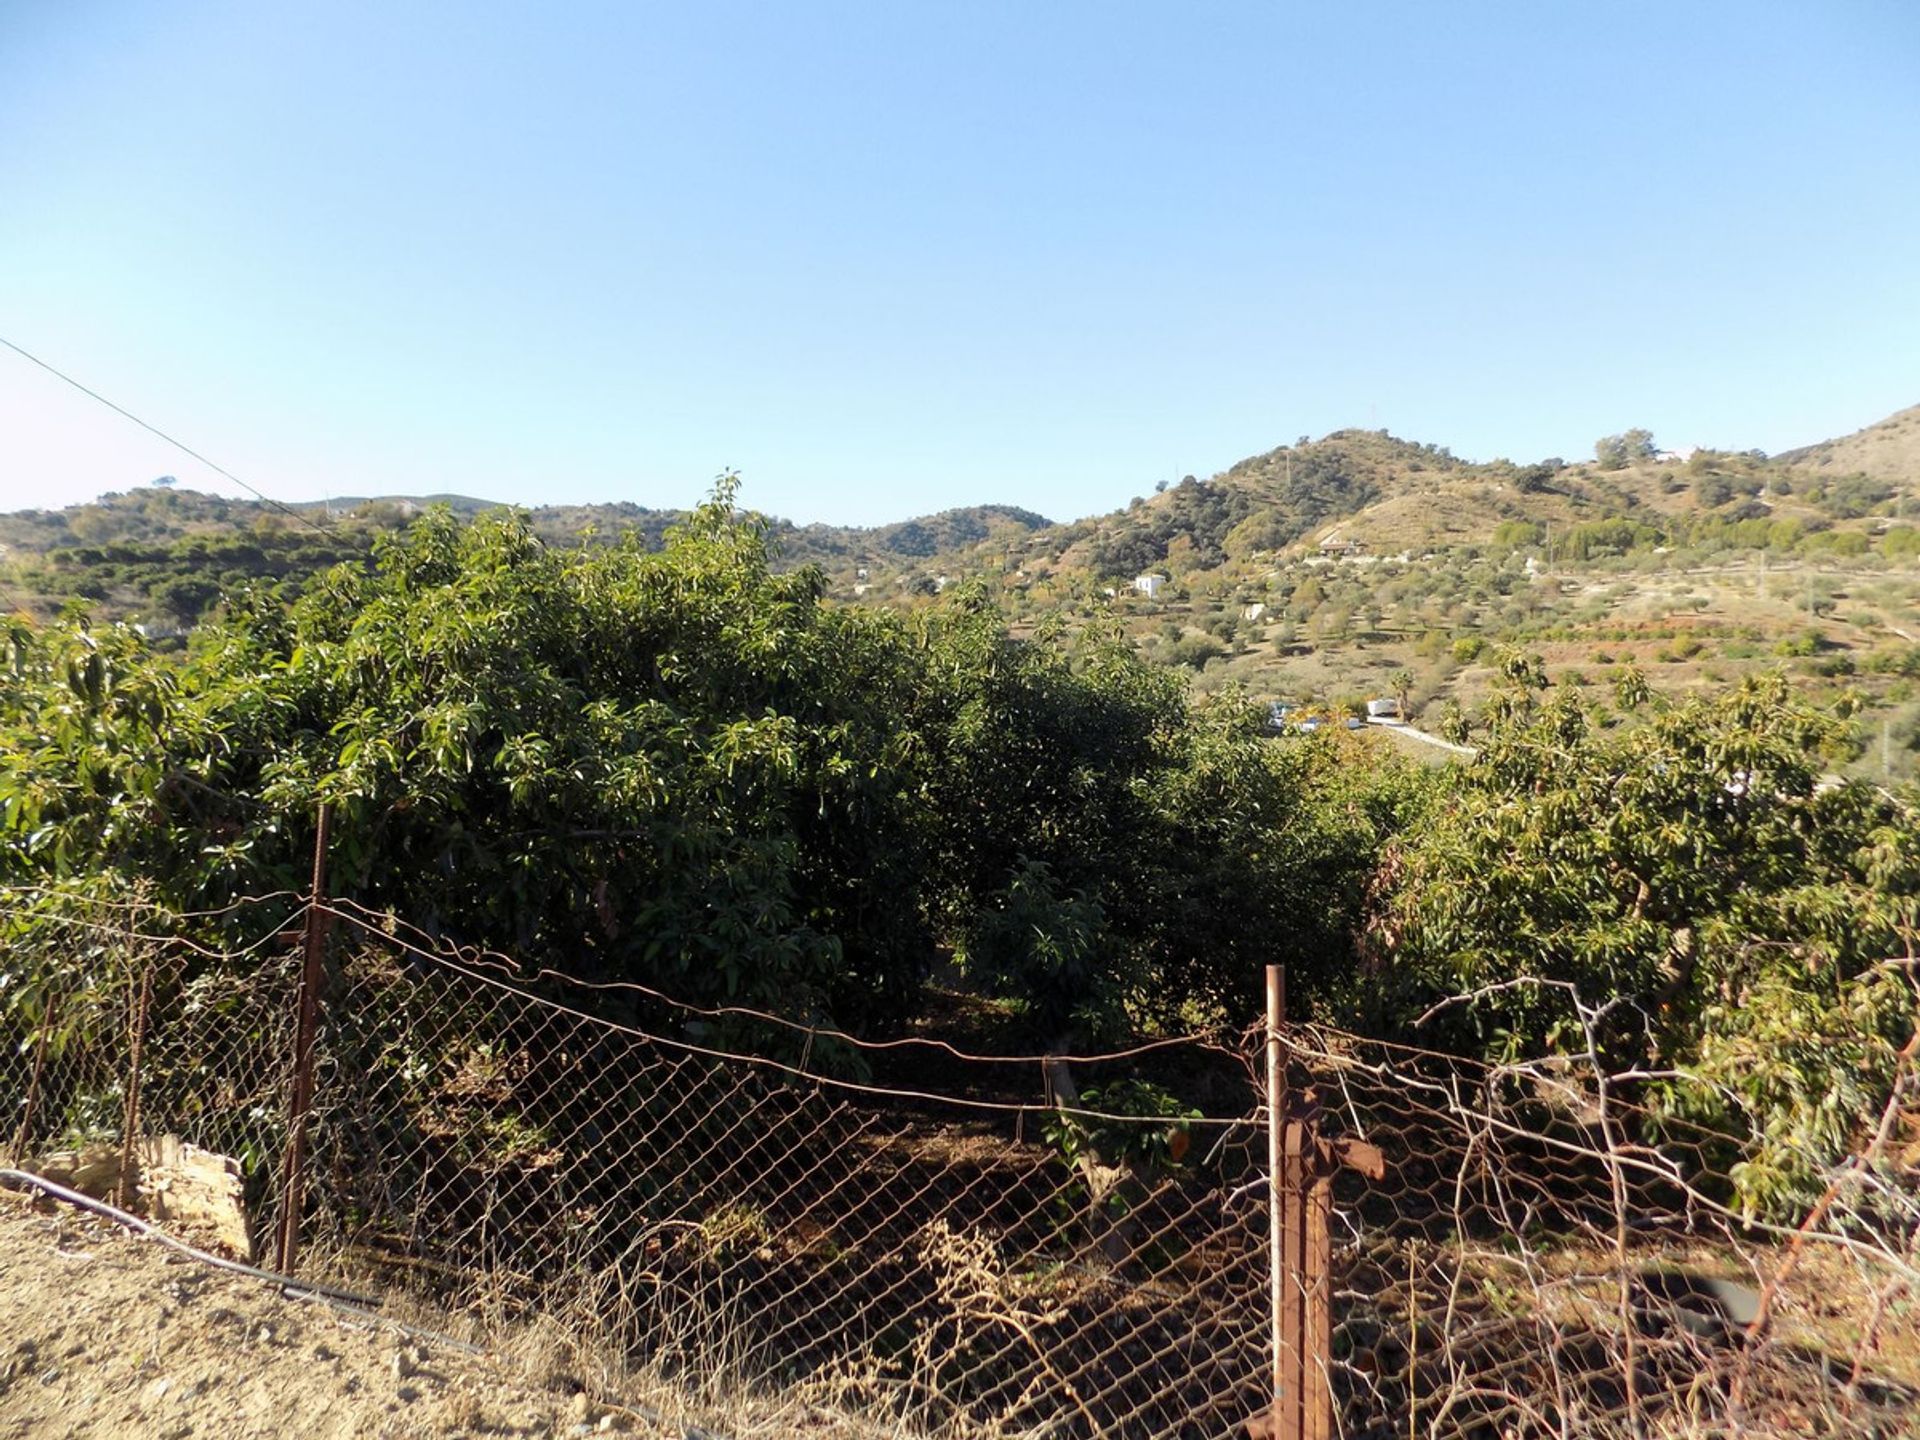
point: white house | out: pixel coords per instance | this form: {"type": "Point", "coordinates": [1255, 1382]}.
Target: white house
{"type": "Point", "coordinates": [1150, 585]}
{"type": "Point", "coordinates": [1253, 612]}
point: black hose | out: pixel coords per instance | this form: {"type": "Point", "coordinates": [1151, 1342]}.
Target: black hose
{"type": "Point", "coordinates": [363, 1306]}
{"type": "Point", "coordinates": [24, 1180]}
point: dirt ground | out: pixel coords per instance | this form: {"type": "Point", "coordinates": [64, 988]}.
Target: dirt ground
{"type": "Point", "coordinates": [104, 1334]}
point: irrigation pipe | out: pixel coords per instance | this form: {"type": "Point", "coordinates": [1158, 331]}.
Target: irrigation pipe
{"type": "Point", "coordinates": [364, 1307]}
{"type": "Point", "coordinates": [25, 1180]}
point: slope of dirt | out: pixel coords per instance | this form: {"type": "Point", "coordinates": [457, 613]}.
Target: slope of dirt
{"type": "Point", "coordinates": [102, 1334]}
{"type": "Point", "coordinates": [1889, 450]}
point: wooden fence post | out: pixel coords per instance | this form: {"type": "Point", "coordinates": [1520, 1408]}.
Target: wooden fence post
{"type": "Point", "coordinates": [312, 974]}
{"type": "Point", "coordinates": [130, 1112]}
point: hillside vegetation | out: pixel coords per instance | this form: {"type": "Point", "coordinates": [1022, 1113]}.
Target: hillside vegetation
{"type": "Point", "coordinates": [1322, 573]}
{"type": "Point", "coordinates": [684, 767]}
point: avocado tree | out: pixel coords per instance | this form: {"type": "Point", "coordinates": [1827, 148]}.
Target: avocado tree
{"type": "Point", "coordinates": [1737, 921]}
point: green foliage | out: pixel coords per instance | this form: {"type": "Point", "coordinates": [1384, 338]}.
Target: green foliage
{"type": "Point", "coordinates": [1194, 651]}
{"type": "Point", "coordinates": [1713, 489]}
{"type": "Point", "coordinates": [684, 767]}
{"type": "Point", "coordinates": [1852, 496]}
{"type": "Point", "coordinates": [1050, 951]}
{"type": "Point", "coordinates": [1148, 1149]}
{"type": "Point", "coordinates": [1902, 542]}
{"type": "Point", "coordinates": [674, 766]}
{"type": "Point", "coordinates": [1515, 534]}
{"type": "Point", "coordinates": [1616, 452]}
{"type": "Point", "coordinates": [1690, 879]}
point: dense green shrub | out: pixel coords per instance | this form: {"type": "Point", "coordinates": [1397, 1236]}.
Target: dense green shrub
{"type": "Point", "coordinates": [687, 768]}
{"type": "Point", "coordinates": [1683, 894]}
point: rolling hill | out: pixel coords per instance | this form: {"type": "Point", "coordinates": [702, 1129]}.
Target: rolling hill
{"type": "Point", "coordinates": [1356, 564]}
{"type": "Point", "coordinates": [1888, 451]}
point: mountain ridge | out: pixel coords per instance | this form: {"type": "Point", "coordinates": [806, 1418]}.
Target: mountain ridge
{"type": "Point", "coordinates": [1359, 490]}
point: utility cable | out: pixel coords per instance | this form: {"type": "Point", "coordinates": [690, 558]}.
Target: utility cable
{"type": "Point", "coordinates": [258, 494]}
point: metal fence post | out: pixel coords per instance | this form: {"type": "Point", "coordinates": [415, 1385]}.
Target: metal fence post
{"type": "Point", "coordinates": [1285, 1338]}
{"type": "Point", "coordinates": [130, 1114]}
{"type": "Point", "coordinates": [293, 1173]}
{"type": "Point", "coordinates": [1300, 1244]}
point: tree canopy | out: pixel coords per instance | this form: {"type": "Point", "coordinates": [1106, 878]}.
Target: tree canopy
{"type": "Point", "coordinates": [688, 768]}
{"type": "Point", "coordinates": [684, 767]}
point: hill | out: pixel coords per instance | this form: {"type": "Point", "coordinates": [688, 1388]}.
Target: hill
{"type": "Point", "coordinates": [1888, 451]}
{"type": "Point", "coordinates": [1362, 565]}
{"type": "Point", "coordinates": [165, 555]}
{"type": "Point", "coordinates": [1324, 572]}
{"type": "Point", "coordinates": [1375, 493]}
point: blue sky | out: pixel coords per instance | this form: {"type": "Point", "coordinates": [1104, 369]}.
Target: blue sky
{"type": "Point", "coordinates": [885, 258]}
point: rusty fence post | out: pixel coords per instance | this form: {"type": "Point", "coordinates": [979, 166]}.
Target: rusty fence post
{"type": "Point", "coordinates": [1301, 1164]}
{"type": "Point", "coordinates": [30, 1111]}
{"type": "Point", "coordinates": [1316, 1289]}
{"type": "Point", "coordinates": [1285, 1231]}
{"type": "Point", "coordinates": [1300, 1205]}
{"type": "Point", "coordinates": [142, 1003]}
{"type": "Point", "coordinates": [300, 1102]}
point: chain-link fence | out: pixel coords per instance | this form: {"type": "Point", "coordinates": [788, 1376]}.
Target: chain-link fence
{"type": "Point", "coordinates": [1550, 1253]}
{"type": "Point", "coordinates": [923, 1242]}
{"type": "Point", "coordinates": [912, 1247]}
{"type": "Point", "coordinates": [120, 1024]}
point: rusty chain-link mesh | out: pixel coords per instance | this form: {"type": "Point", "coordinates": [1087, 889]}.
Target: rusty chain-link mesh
{"type": "Point", "coordinates": [115, 1025]}
{"type": "Point", "coordinates": [1547, 1255]}
{"type": "Point", "coordinates": [927, 1258]}
{"type": "Point", "coordinates": [924, 1243]}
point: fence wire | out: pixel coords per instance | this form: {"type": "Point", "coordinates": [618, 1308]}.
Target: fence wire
{"type": "Point", "coordinates": [1547, 1255]}
{"type": "Point", "coordinates": [937, 1264]}
{"type": "Point", "coordinates": [922, 1242]}
{"type": "Point", "coordinates": [117, 1025]}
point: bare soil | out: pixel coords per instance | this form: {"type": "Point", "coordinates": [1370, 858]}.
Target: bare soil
{"type": "Point", "coordinates": [103, 1334]}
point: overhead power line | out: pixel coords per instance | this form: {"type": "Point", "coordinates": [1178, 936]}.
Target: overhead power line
{"type": "Point", "coordinates": [258, 494]}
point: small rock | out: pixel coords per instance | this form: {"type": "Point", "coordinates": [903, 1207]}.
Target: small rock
{"type": "Point", "coordinates": [265, 1335]}
{"type": "Point", "coordinates": [402, 1365]}
{"type": "Point", "coordinates": [580, 1408]}
{"type": "Point", "coordinates": [323, 1354]}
